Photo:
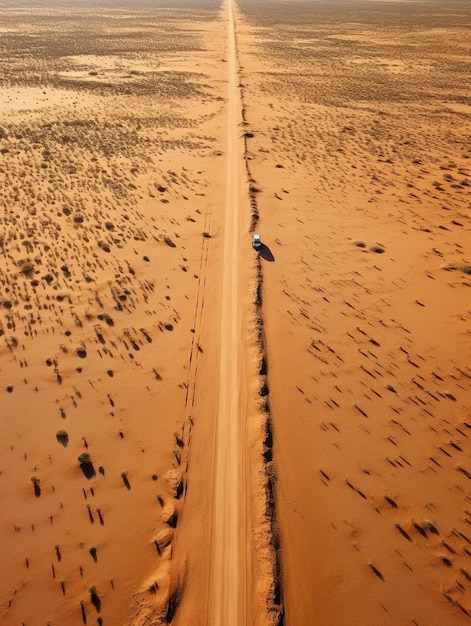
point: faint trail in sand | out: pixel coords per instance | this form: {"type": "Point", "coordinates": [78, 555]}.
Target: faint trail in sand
{"type": "Point", "coordinates": [229, 566]}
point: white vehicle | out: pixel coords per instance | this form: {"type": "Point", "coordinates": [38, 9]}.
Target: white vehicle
{"type": "Point", "coordinates": [256, 242]}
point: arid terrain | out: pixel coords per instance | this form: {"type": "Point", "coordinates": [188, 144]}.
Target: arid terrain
{"type": "Point", "coordinates": [110, 169]}
{"type": "Point", "coordinates": [360, 115]}
{"type": "Point", "coordinates": [183, 419]}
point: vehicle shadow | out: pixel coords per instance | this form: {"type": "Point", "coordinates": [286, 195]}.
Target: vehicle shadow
{"type": "Point", "coordinates": [266, 253]}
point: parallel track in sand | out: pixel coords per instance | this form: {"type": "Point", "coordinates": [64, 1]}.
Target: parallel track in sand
{"type": "Point", "coordinates": [230, 558]}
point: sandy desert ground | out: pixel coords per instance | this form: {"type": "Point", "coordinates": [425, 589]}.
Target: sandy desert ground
{"type": "Point", "coordinates": [360, 154]}
{"type": "Point", "coordinates": [110, 169]}
{"type": "Point", "coordinates": [354, 165]}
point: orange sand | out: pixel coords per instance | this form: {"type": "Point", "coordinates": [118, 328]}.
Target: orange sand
{"type": "Point", "coordinates": [360, 152]}
{"type": "Point", "coordinates": [113, 156]}
{"type": "Point", "coordinates": [109, 153]}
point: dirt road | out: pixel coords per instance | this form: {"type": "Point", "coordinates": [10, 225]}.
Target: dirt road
{"type": "Point", "coordinates": [229, 557]}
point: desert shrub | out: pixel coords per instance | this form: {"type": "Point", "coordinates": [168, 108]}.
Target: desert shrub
{"type": "Point", "coordinates": [26, 267]}
{"type": "Point", "coordinates": [169, 242]}
{"type": "Point", "coordinates": [126, 482]}
{"type": "Point", "coordinates": [94, 598]}
{"type": "Point", "coordinates": [62, 437]}
{"type": "Point", "coordinates": [37, 489]}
